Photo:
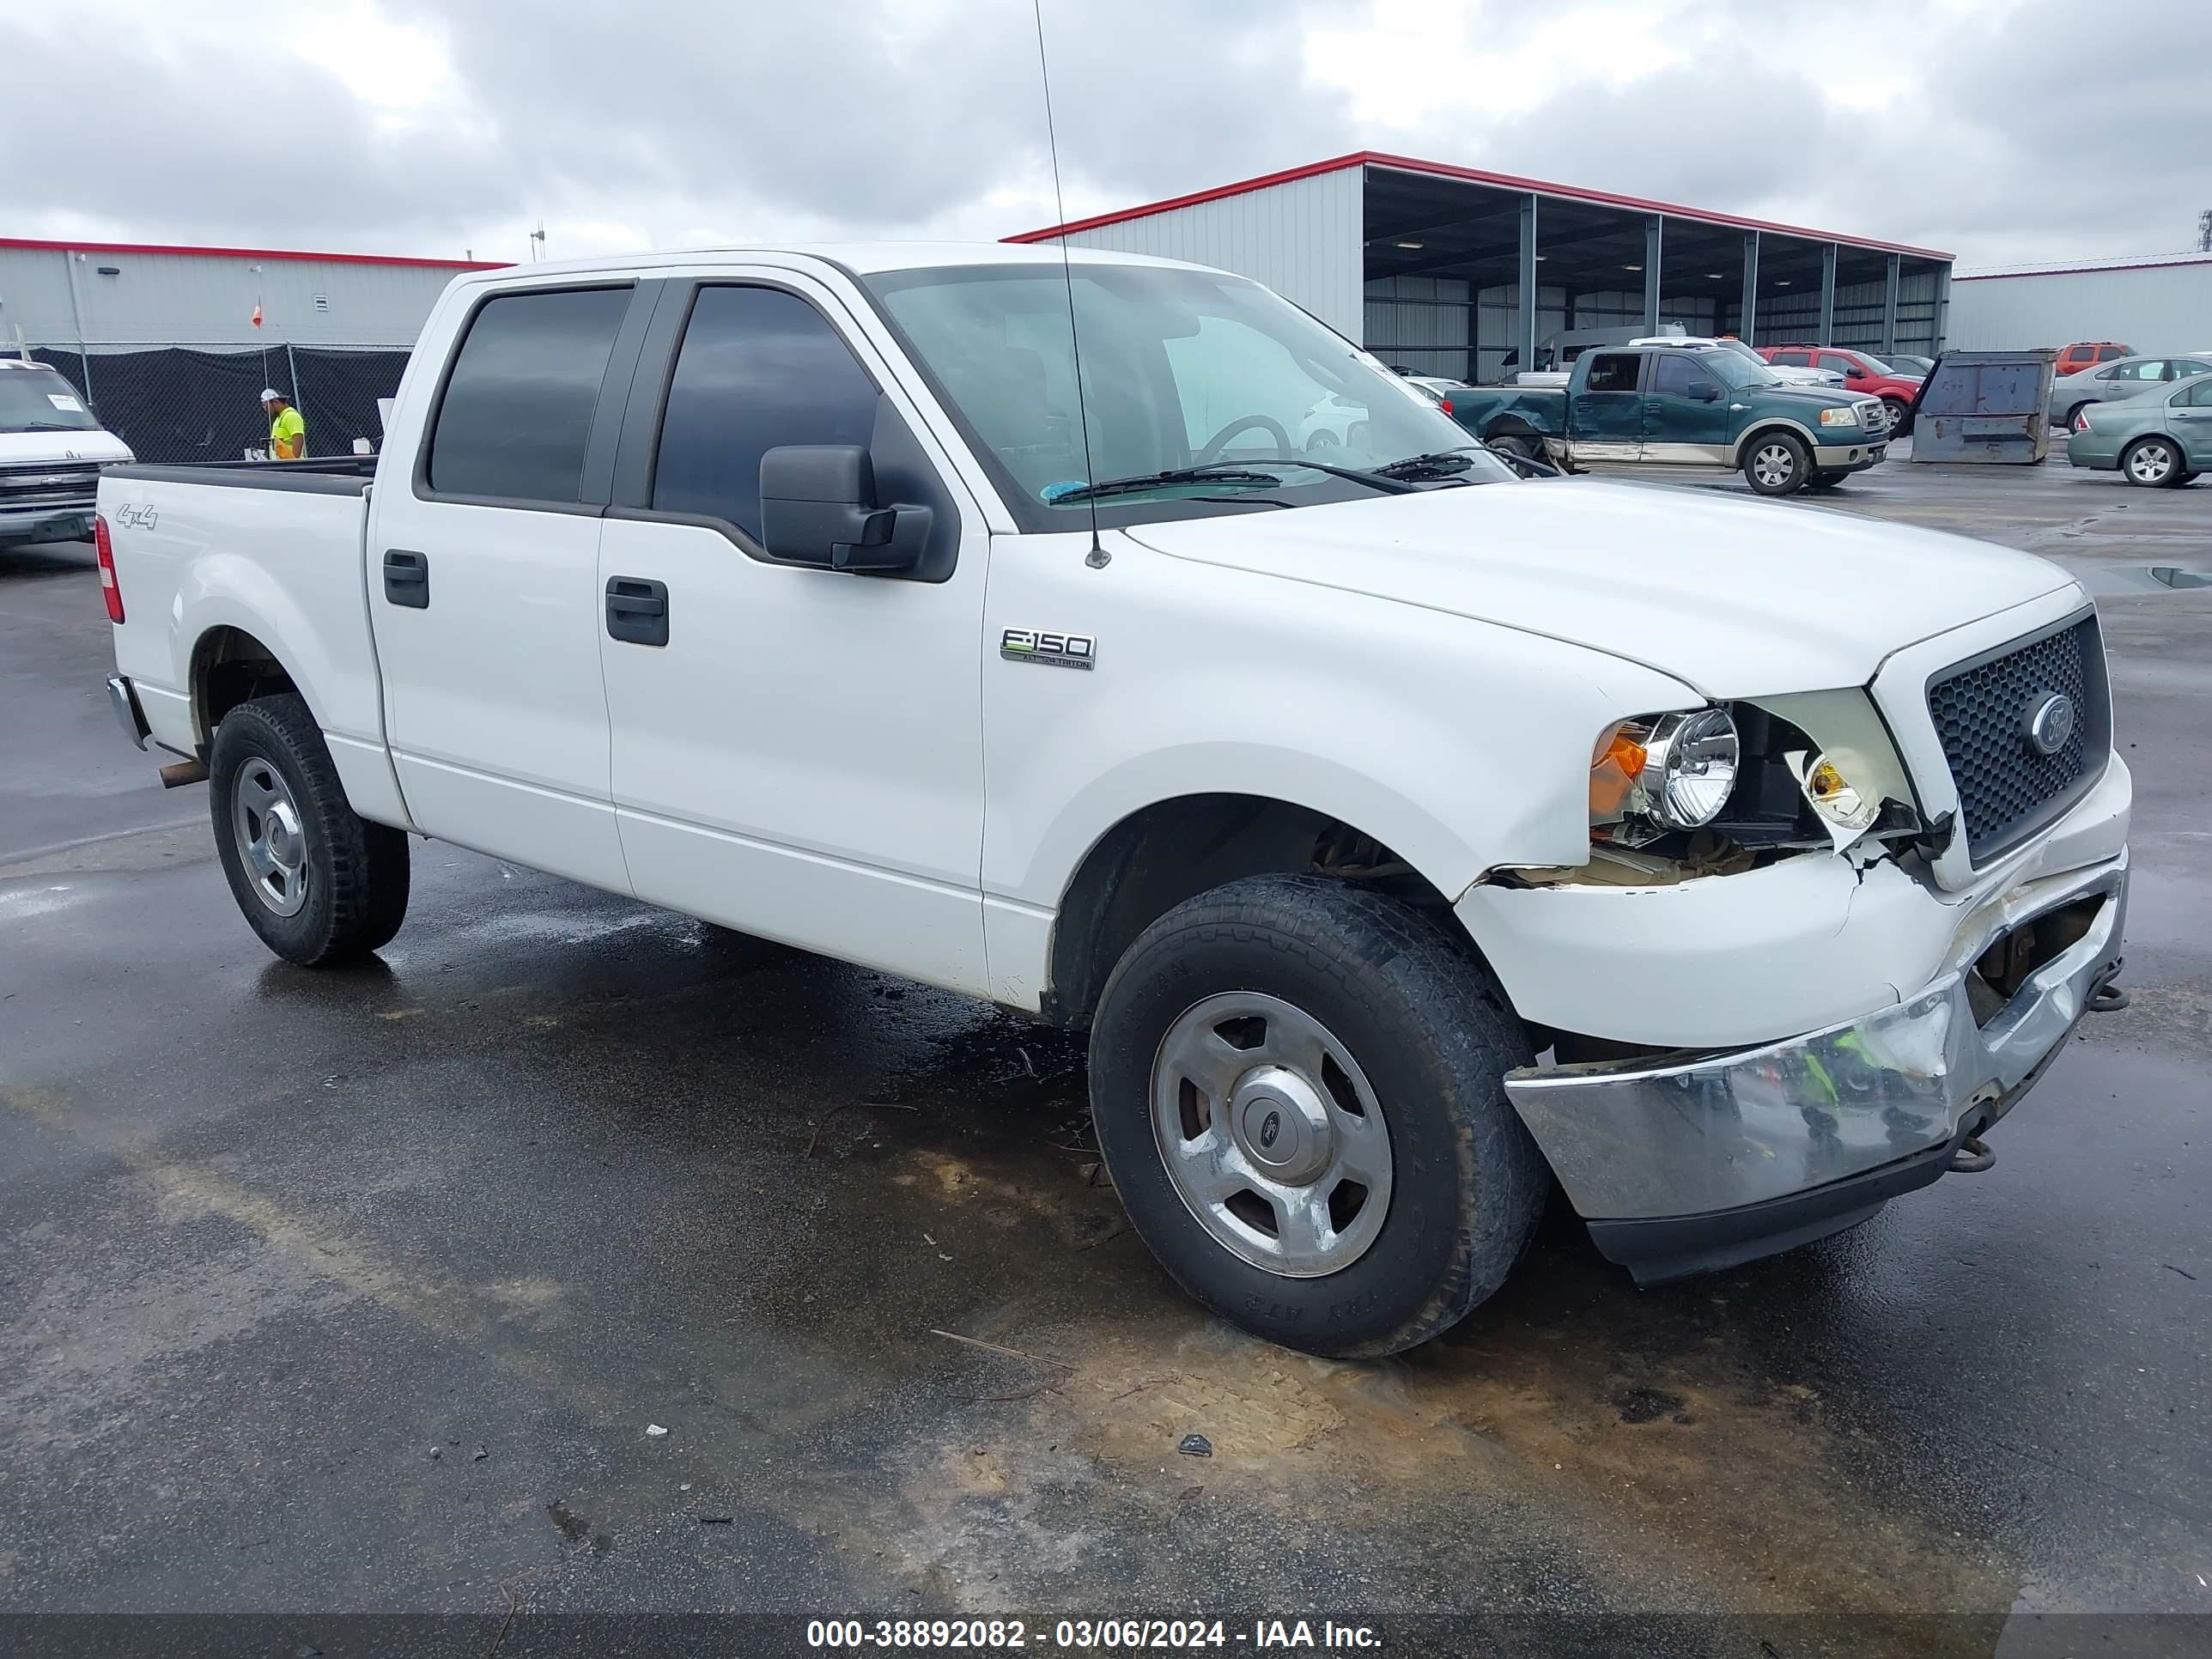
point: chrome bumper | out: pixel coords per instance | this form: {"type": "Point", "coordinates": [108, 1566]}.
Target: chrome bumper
{"type": "Point", "coordinates": [128, 715]}
{"type": "Point", "coordinates": [1632, 1141]}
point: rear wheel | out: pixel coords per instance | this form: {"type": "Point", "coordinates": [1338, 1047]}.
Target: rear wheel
{"type": "Point", "coordinates": [319, 883]}
{"type": "Point", "coordinates": [2153, 464]}
{"type": "Point", "coordinates": [1298, 1088]}
{"type": "Point", "coordinates": [1514, 444]}
{"type": "Point", "coordinates": [2074, 416]}
{"type": "Point", "coordinates": [1777, 465]}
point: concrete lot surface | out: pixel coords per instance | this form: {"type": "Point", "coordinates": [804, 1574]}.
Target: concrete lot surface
{"type": "Point", "coordinates": [359, 1290]}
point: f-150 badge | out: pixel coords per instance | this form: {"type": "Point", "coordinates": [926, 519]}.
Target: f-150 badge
{"type": "Point", "coordinates": [1059, 650]}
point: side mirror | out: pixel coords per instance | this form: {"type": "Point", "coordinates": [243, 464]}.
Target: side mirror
{"type": "Point", "coordinates": [1704, 392]}
{"type": "Point", "coordinates": [818, 507]}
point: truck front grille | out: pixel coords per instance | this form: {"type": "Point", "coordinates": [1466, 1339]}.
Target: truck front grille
{"type": "Point", "coordinates": [1985, 713]}
{"type": "Point", "coordinates": [44, 483]}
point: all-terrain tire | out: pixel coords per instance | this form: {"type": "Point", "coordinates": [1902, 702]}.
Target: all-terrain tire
{"type": "Point", "coordinates": [354, 874]}
{"type": "Point", "coordinates": [1430, 1031]}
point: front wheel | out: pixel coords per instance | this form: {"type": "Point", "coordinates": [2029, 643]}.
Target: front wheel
{"type": "Point", "coordinates": [1899, 414]}
{"type": "Point", "coordinates": [319, 883]}
{"type": "Point", "coordinates": [1298, 1087]}
{"type": "Point", "coordinates": [2153, 464]}
{"type": "Point", "coordinates": [1778, 465]}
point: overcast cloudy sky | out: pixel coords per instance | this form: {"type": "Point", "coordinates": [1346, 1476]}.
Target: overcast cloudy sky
{"type": "Point", "coordinates": [2001, 130]}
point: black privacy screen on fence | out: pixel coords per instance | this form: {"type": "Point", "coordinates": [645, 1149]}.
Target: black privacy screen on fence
{"type": "Point", "coordinates": [176, 403]}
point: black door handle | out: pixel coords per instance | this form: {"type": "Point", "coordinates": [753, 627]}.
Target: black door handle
{"type": "Point", "coordinates": [637, 610]}
{"type": "Point", "coordinates": [407, 577]}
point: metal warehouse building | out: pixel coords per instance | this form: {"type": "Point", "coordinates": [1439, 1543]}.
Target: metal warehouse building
{"type": "Point", "coordinates": [2161, 305]}
{"type": "Point", "coordinates": [107, 293]}
{"type": "Point", "coordinates": [1446, 269]}
{"type": "Point", "coordinates": [163, 342]}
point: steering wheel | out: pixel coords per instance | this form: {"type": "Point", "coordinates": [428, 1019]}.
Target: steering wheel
{"type": "Point", "coordinates": [1219, 441]}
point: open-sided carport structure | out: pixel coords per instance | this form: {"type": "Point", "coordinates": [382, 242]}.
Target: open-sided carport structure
{"type": "Point", "coordinates": [1451, 271]}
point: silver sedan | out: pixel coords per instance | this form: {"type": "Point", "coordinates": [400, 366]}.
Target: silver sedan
{"type": "Point", "coordinates": [2123, 377]}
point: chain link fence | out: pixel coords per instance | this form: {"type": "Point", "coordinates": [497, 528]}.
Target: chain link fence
{"type": "Point", "coordinates": [203, 401]}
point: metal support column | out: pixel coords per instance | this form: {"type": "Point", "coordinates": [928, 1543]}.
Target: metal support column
{"type": "Point", "coordinates": [1652, 241]}
{"type": "Point", "coordinates": [1746, 328]}
{"type": "Point", "coordinates": [1941, 325]}
{"type": "Point", "coordinates": [1891, 280]}
{"type": "Point", "coordinates": [1828, 295]}
{"type": "Point", "coordinates": [1528, 285]}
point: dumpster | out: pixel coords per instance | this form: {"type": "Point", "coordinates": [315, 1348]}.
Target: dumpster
{"type": "Point", "coordinates": [1984, 406]}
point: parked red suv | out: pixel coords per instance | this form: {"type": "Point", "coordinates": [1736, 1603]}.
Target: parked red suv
{"type": "Point", "coordinates": [1862, 372]}
{"type": "Point", "coordinates": [2088, 354]}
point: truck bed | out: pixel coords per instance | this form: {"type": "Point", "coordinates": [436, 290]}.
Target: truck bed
{"type": "Point", "coordinates": [203, 552]}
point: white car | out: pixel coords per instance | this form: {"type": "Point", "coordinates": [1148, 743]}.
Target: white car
{"type": "Point", "coordinates": [1406, 836]}
{"type": "Point", "coordinates": [1785, 373]}
{"type": "Point", "coordinates": [51, 450]}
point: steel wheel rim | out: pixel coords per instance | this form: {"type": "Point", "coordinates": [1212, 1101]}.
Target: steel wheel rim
{"type": "Point", "coordinates": [271, 842]}
{"type": "Point", "coordinates": [2151, 464]}
{"type": "Point", "coordinates": [1270, 1134]}
{"type": "Point", "coordinates": [1774, 464]}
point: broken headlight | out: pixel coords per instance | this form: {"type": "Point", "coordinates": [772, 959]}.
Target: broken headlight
{"type": "Point", "coordinates": [1662, 772]}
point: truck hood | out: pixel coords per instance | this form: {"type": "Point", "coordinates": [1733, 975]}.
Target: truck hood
{"type": "Point", "coordinates": [17, 448]}
{"type": "Point", "coordinates": [1736, 598]}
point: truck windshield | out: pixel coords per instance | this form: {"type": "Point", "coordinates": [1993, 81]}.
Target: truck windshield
{"type": "Point", "coordinates": [40, 400]}
{"type": "Point", "coordinates": [1747, 370]}
{"type": "Point", "coordinates": [1182, 369]}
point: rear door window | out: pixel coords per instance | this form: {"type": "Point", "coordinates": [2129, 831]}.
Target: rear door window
{"type": "Point", "coordinates": [759, 367]}
{"type": "Point", "coordinates": [517, 410]}
{"type": "Point", "coordinates": [1613, 372]}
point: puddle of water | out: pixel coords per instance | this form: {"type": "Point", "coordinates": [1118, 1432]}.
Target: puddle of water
{"type": "Point", "coordinates": [2174, 575]}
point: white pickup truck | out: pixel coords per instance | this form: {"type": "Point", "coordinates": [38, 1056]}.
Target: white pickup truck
{"type": "Point", "coordinates": [1408, 837]}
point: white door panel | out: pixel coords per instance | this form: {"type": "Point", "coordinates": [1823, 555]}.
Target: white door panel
{"type": "Point", "coordinates": [803, 758]}
{"type": "Point", "coordinates": [493, 705]}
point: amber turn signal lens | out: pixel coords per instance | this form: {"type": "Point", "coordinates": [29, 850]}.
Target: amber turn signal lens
{"type": "Point", "coordinates": [1613, 773]}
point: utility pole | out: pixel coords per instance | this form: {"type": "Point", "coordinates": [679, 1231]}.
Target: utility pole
{"type": "Point", "coordinates": [537, 242]}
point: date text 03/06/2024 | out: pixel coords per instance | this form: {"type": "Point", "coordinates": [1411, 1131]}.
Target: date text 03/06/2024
{"type": "Point", "coordinates": [1095, 1635]}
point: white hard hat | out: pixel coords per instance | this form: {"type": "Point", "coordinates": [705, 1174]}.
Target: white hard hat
{"type": "Point", "coordinates": [269, 394]}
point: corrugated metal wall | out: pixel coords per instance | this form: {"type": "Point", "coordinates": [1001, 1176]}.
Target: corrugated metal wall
{"type": "Point", "coordinates": [1303, 239]}
{"type": "Point", "coordinates": [209, 298]}
{"type": "Point", "coordinates": [2154, 308]}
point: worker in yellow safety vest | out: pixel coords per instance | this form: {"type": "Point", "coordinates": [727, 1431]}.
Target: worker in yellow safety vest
{"type": "Point", "coordinates": [288, 432]}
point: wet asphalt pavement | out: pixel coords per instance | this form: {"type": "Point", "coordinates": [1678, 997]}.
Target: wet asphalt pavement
{"type": "Point", "coordinates": [356, 1291]}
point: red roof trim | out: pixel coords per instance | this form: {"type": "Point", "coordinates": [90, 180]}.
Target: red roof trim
{"type": "Point", "coordinates": [1472, 175]}
{"type": "Point", "coordinates": [252, 254]}
{"type": "Point", "coordinates": [2084, 270]}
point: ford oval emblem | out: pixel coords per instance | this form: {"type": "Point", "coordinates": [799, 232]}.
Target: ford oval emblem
{"type": "Point", "coordinates": [1272, 1130]}
{"type": "Point", "coordinates": [2051, 723]}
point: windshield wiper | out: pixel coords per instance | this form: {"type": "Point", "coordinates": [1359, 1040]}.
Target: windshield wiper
{"type": "Point", "coordinates": [49, 426]}
{"type": "Point", "coordinates": [1437, 463]}
{"type": "Point", "coordinates": [1227, 472]}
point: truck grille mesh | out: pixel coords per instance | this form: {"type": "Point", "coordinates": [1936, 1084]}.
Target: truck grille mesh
{"type": "Point", "coordinates": [2008, 789]}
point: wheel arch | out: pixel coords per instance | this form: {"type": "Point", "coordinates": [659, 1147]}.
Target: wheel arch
{"type": "Point", "coordinates": [230, 665]}
{"type": "Point", "coordinates": [1160, 854]}
{"type": "Point", "coordinates": [1773, 424]}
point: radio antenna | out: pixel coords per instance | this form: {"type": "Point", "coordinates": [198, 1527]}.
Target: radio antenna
{"type": "Point", "coordinates": [1099, 557]}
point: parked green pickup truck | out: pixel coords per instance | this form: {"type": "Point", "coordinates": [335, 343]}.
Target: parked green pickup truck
{"type": "Point", "coordinates": [1687, 406]}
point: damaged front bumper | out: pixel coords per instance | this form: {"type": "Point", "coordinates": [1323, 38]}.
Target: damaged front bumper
{"type": "Point", "coordinates": [1688, 1165]}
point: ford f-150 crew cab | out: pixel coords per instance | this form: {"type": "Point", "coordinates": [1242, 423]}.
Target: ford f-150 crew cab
{"type": "Point", "coordinates": [1406, 836]}
{"type": "Point", "coordinates": [1684, 406]}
